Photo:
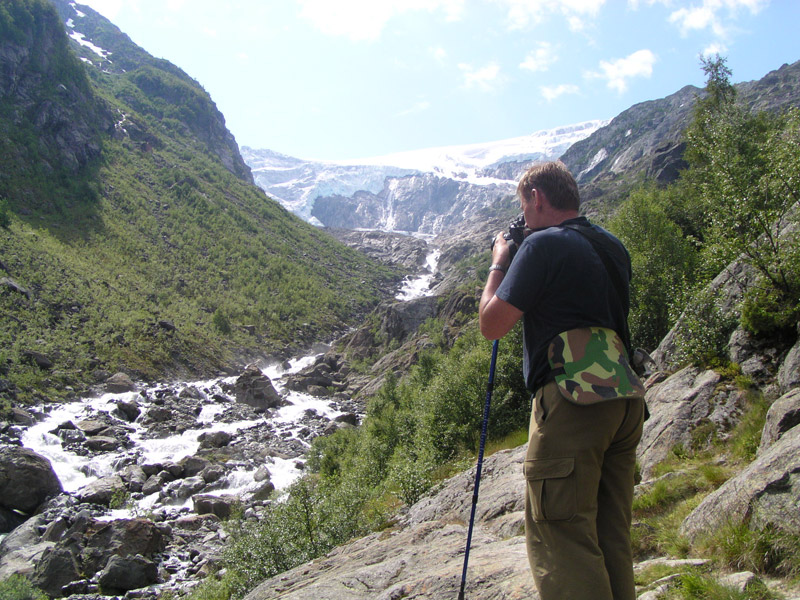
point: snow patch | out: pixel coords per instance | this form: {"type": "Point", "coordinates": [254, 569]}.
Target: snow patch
{"type": "Point", "coordinates": [601, 155]}
{"type": "Point", "coordinates": [81, 39]}
{"type": "Point", "coordinates": [77, 12]}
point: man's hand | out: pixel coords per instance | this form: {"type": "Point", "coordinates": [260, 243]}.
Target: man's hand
{"type": "Point", "coordinates": [501, 255]}
{"type": "Point", "coordinates": [497, 316]}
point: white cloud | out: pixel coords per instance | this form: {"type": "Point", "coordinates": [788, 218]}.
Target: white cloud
{"type": "Point", "coordinates": [618, 72]}
{"type": "Point", "coordinates": [417, 108]}
{"type": "Point", "coordinates": [540, 59]}
{"type": "Point", "coordinates": [522, 13]}
{"type": "Point", "coordinates": [715, 48]}
{"type": "Point", "coordinates": [175, 5]}
{"type": "Point", "coordinates": [552, 92]}
{"type": "Point", "coordinates": [713, 14]}
{"type": "Point", "coordinates": [486, 78]}
{"type": "Point", "coordinates": [440, 54]}
{"type": "Point", "coordinates": [364, 20]}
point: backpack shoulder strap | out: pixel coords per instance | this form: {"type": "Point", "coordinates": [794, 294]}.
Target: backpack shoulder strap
{"type": "Point", "coordinates": [600, 244]}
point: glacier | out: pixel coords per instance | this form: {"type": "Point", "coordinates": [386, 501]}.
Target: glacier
{"type": "Point", "coordinates": [297, 183]}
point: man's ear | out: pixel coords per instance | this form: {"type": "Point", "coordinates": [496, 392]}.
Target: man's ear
{"type": "Point", "coordinates": [537, 198]}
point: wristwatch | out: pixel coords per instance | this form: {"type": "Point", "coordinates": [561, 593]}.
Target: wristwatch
{"type": "Point", "coordinates": [497, 267]}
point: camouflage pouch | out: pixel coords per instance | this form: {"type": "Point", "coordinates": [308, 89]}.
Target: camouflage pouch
{"type": "Point", "coordinates": [590, 365]}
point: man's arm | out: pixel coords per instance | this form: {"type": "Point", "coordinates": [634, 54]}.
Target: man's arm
{"type": "Point", "coordinates": [497, 316]}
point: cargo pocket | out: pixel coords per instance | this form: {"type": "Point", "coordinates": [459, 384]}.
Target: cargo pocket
{"type": "Point", "coordinates": [552, 488]}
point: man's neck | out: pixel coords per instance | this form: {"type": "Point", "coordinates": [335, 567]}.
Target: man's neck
{"type": "Point", "coordinates": [556, 217]}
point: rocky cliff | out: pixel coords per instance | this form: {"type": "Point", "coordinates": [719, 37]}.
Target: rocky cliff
{"type": "Point", "coordinates": [421, 203]}
{"type": "Point", "coordinates": [51, 121]}
{"type": "Point", "coordinates": [171, 93]}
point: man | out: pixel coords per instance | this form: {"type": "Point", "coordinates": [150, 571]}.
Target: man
{"type": "Point", "coordinates": [581, 457]}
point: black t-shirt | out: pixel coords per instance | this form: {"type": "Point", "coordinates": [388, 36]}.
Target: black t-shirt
{"type": "Point", "coordinates": [560, 282]}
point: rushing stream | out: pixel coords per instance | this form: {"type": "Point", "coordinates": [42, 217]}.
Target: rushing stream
{"type": "Point", "coordinates": [419, 286]}
{"type": "Point", "coordinates": [76, 470]}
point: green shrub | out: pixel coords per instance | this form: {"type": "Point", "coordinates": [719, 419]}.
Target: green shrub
{"type": "Point", "coordinates": [767, 311]}
{"type": "Point", "coordinates": [746, 436]}
{"type": "Point", "coordinates": [704, 333]}
{"type": "Point", "coordinates": [17, 587]}
{"type": "Point", "coordinates": [694, 585]}
{"type": "Point", "coordinates": [5, 216]}
{"type": "Point", "coordinates": [769, 550]}
{"type": "Point", "coordinates": [663, 262]}
{"type": "Point", "coordinates": [221, 322]}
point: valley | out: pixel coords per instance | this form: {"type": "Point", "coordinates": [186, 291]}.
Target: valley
{"type": "Point", "coordinates": [229, 373]}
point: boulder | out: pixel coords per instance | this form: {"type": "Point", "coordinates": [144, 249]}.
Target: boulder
{"type": "Point", "coordinates": [122, 574]}
{"type": "Point", "coordinates": [214, 439]}
{"type": "Point", "coordinates": [742, 582]}
{"type": "Point", "coordinates": [21, 549]}
{"type": "Point", "coordinates": [102, 491]}
{"type": "Point", "coordinates": [677, 406]}
{"type": "Point", "coordinates": [92, 426]}
{"type": "Point", "coordinates": [56, 568]}
{"type": "Point", "coordinates": [155, 483]}
{"type": "Point", "coordinates": [255, 389]}
{"type": "Point", "coordinates": [264, 491]}
{"type": "Point", "coordinates": [789, 373]}
{"type": "Point", "coordinates": [134, 477]}
{"type": "Point", "coordinates": [102, 443]}
{"type": "Point", "coordinates": [128, 411]}
{"type": "Point", "coordinates": [10, 520]}
{"type": "Point", "coordinates": [37, 359]}
{"type": "Point", "coordinates": [728, 290]}
{"type": "Point", "coordinates": [348, 418]}
{"type": "Point", "coordinates": [212, 473]}
{"type": "Point", "coordinates": [27, 479]}
{"type": "Point", "coordinates": [120, 383]}
{"type": "Point", "coordinates": [121, 537]}
{"type": "Point", "coordinates": [262, 474]}
{"type": "Point", "coordinates": [183, 488]}
{"type": "Point", "coordinates": [193, 465]}
{"type": "Point", "coordinates": [402, 319]}
{"type": "Point", "coordinates": [766, 492]}
{"type": "Point", "coordinates": [221, 506]}
{"type": "Point", "coordinates": [197, 522]}
{"type": "Point", "coordinates": [783, 415]}
{"type": "Point", "coordinates": [12, 285]}
{"type": "Point", "coordinates": [22, 417]}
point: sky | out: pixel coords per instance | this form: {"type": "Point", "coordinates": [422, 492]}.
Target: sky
{"type": "Point", "coordinates": [346, 79]}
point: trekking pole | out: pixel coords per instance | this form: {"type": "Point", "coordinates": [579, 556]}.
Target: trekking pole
{"type": "Point", "coordinates": [484, 426]}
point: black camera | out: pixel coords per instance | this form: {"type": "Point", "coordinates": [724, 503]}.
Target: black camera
{"type": "Point", "coordinates": [514, 236]}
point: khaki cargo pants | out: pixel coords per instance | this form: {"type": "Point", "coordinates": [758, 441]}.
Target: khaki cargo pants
{"type": "Point", "coordinates": [579, 469]}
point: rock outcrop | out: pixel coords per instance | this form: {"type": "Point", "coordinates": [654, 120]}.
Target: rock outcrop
{"type": "Point", "coordinates": [423, 556]}
{"type": "Point", "coordinates": [766, 493]}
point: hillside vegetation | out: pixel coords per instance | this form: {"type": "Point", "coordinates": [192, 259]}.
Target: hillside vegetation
{"type": "Point", "coordinates": [127, 243]}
